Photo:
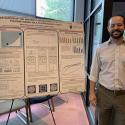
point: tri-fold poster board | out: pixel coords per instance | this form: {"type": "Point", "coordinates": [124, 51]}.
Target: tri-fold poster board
{"type": "Point", "coordinates": [40, 57]}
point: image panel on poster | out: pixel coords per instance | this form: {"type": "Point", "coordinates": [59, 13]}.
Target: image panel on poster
{"type": "Point", "coordinates": [11, 63]}
{"type": "Point", "coordinates": [41, 62]}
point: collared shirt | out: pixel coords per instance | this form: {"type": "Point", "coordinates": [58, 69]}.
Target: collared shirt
{"type": "Point", "coordinates": [108, 65]}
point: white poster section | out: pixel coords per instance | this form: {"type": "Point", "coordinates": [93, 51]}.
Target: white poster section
{"type": "Point", "coordinates": [40, 57]}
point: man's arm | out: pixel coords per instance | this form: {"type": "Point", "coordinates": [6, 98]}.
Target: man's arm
{"type": "Point", "coordinates": [94, 76]}
{"type": "Point", "coordinates": [92, 96]}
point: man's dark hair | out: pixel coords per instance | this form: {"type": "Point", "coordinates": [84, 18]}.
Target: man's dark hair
{"type": "Point", "coordinates": [119, 16]}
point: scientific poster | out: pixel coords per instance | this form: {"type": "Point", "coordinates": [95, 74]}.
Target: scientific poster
{"type": "Point", "coordinates": [40, 57]}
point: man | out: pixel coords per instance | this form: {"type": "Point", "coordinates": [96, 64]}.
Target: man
{"type": "Point", "coordinates": [108, 68]}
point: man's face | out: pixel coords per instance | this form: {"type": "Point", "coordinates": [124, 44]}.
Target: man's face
{"type": "Point", "coordinates": [116, 27]}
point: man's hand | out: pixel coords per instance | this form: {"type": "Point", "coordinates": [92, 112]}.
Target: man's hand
{"type": "Point", "coordinates": [92, 98]}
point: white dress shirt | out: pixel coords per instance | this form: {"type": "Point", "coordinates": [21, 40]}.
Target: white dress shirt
{"type": "Point", "coordinates": [108, 66]}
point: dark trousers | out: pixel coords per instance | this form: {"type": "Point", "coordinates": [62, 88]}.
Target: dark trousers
{"type": "Point", "coordinates": [110, 107]}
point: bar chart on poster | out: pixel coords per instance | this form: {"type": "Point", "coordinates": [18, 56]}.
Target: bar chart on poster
{"type": "Point", "coordinates": [40, 57]}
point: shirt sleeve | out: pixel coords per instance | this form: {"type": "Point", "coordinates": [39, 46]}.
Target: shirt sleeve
{"type": "Point", "coordinates": [95, 67]}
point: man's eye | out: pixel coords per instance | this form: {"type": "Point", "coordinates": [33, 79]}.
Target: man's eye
{"type": "Point", "coordinates": [119, 24]}
{"type": "Point", "coordinates": [113, 25]}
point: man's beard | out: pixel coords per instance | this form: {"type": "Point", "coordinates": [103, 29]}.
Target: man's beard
{"type": "Point", "coordinates": [117, 36]}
